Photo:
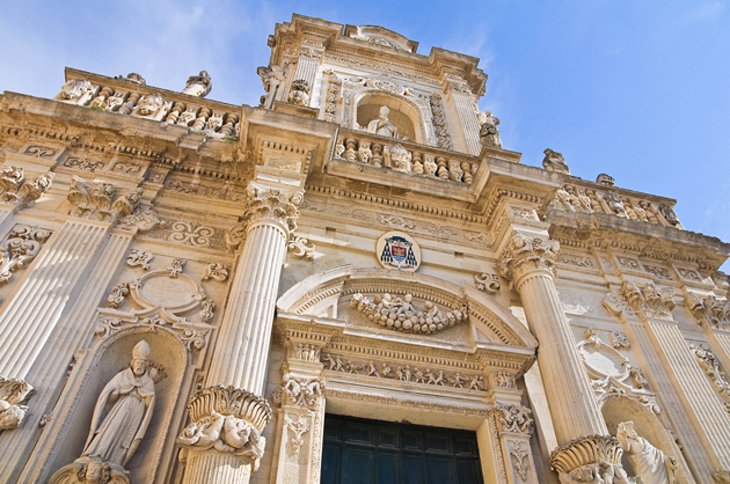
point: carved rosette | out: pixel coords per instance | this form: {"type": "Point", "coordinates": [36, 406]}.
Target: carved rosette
{"type": "Point", "coordinates": [595, 458]}
{"type": "Point", "coordinates": [524, 255]}
{"type": "Point", "coordinates": [266, 205]}
{"type": "Point", "coordinates": [13, 393]}
{"type": "Point", "coordinates": [228, 420]}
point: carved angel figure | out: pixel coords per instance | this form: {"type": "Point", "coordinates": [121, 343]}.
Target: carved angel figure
{"type": "Point", "coordinates": [199, 85]}
{"type": "Point", "coordinates": [652, 466]}
{"type": "Point", "coordinates": [116, 434]}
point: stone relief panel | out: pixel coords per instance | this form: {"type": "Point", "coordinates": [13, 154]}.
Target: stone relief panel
{"type": "Point", "coordinates": [405, 373]}
{"type": "Point", "coordinates": [612, 375]}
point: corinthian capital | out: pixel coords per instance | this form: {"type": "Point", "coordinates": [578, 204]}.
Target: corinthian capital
{"type": "Point", "coordinates": [647, 300]}
{"type": "Point", "coordinates": [524, 254]}
{"type": "Point", "coordinates": [229, 420]}
{"type": "Point", "coordinates": [710, 311]}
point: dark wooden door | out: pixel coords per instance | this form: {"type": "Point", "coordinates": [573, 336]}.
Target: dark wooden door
{"type": "Point", "coordinates": [358, 451]}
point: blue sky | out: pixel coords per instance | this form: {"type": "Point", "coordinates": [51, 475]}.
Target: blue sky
{"type": "Point", "coordinates": [637, 89]}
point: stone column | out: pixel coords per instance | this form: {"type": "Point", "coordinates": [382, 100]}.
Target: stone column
{"type": "Point", "coordinates": [585, 444]}
{"type": "Point", "coordinates": [654, 308]}
{"type": "Point", "coordinates": [300, 424]}
{"type": "Point", "coordinates": [223, 441]}
{"type": "Point", "coordinates": [463, 103]}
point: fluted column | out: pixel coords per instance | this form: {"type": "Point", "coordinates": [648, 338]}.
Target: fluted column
{"type": "Point", "coordinates": [579, 426]}
{"type": "Point", "coordinates": [226, 450]}
{"type": "Point", "coordinates": [653, 308]}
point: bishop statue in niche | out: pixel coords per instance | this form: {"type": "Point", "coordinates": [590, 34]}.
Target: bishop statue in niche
{"type": "Point", "coordinates": [121, 416]}
{"type": "Point", "coordinates": [382, 125]}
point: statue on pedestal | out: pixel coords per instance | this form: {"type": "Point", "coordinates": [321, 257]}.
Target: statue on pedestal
{"type": "Point", "coordinates": [488, 133]}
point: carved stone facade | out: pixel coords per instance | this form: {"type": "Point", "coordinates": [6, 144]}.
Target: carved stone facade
{"type": "Point", "coordinates": [361, 243]}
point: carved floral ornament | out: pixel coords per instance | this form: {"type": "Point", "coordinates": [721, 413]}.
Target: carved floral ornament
{"type": "Point", "coordinates": [99, 201]}
{"type": "Point", "coordinates": [13, 394]}
{"type": "Point", "coordinates": [513, 418]}
{"type": "Point", "coordinates": [400, 314]}
{"type": "Point", "coordinates": [709, 310]}
{"type": "Point", "coordinates": [21, 246]}
{"type": "Point", "coordinates": [15, 189]}
{"type": "Point", "coordinates": [525, 254]}
{"type": "Point", "coordinates": [612, 375]}
{"type": "Point", "coordinates": [266, 204]}
{"type": "Point", "coordinates": [229, 420]}
{"type": "Point", "coordinates": [302, 392]}
{"type": "Point", "coordinates": [712, 367]}
{"type": "Point", "coordinates": [161, 298]}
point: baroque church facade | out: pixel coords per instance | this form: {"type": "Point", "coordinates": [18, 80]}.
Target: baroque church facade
{"type": "Point", "coordinates": [352, 282]}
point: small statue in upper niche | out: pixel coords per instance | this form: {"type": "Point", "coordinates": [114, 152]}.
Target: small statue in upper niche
{"type": "Point", "coordinates": [299, 93]}
{"type": "Point", "coordinates": [382, 125]}
{"type": "Point", "coordinates": [122, 414]}
{"type": "Point", "coordinates": [199, 85]}
{"type": "Point", "coordinates": [554, 161]}
{"type": "Point", "coordinates": [488, 133]}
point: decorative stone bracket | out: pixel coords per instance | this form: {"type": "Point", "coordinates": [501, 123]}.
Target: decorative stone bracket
{"type": "Point", "coordinates": [595, 458]}
{"type": "Point", "coordinates": [229, 420]}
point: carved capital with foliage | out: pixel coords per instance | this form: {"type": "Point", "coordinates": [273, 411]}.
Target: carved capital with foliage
{"type": "Point", "coordinates": [525, 254]}
{"type": "Point", "coordinates": [647, 300]}
{"type": "Point", "coordinates": [709, 310]}
{"type": "Point", "coordinates": [229, 420]}
{"type": "Point", "coordinates": [13, 393]}
{"type": "Point", "coordinates": [595, 458]}
{"type": "Point", "coordinates": [513, 418]}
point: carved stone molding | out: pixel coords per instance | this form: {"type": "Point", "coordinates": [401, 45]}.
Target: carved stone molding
{"type": "Point", "coordinates": [519, 452]}
{"type": "Point", "coordinates": [709, 311]}
{"type": "Point", "coordinates": [21, 246]}
{"type": "Point", "coordinates": [142, 220]}
{"type": "Point", "coordinates": [595, 458]}
{"type": "Point", "coordinates": [98, 200]}
{"type": "Point", "coordinates": [526, 254]}
{"type": "Point", "coordinates": [229, 420]}
{"type": "Point", "coordinates": [400, 314]}
{"type": "Point", "coordinates": [297, 426]}
{"type": "Point", "coordinates": [645, 299]}
{"type": "Point", "coordinates": [303, 392]}
{"type": "Point", "coordinates": [513, 418]}
{"type": "Point", "coordinates": [13, 394]}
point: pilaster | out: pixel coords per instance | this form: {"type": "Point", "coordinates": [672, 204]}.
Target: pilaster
{"type": "Point", "coordinates": [463, 101]}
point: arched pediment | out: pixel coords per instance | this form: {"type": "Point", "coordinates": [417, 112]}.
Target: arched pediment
{"type": "Point", "coordinates": [338, 295]}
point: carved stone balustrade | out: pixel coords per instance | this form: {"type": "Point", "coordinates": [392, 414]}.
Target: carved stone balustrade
{"type": "Point", "coordinates": [128, 98]}
{"type": "Point", "coordinates": [406, 157]}
{"type": "Point", "coordinates": [598, 198]}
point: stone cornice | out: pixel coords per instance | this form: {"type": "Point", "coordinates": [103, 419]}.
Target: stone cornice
{"type": "Point", "coordinates": [603, 231]}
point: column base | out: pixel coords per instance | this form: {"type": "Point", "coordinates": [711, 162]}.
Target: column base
{"type": "Point", "coordinates": [595, 458]}
{"type": "Point", "coordinates": [226, 426]}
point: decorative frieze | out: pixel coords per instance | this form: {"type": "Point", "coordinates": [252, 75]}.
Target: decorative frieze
{"type": "Point", "coordinates": [13, 394]}
{"type": "Point", "coordinates": [404, 373]}
{"type": "Point", "coordinates": [229, 420]}
{"type": "Point", "coordinates": [400, 314]}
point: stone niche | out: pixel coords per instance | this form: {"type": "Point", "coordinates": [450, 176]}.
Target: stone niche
{"type": "Point", "coordinates": [88, 378]}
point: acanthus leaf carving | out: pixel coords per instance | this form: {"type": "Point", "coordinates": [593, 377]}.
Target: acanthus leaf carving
{"type": "Point", "coordinates": [400, 314]}
{"type": "Point", "coordinates": [525, 254]}
{"type": "Point", "coordinates": [590, 459]}
{"type": "Point", "coordinates": [97, 201]}
{"type": "Point", "coordinates": [16, 190]}
{"type": "Point", "coordinates": [229, 420]}
{"type": "Point", "coordinates": [303, 392]}
{"type": "Point", "coordinates": [645, 299]}
{"type": "Point", "coordinates": [709, 310]}
{"type": "Point", "coordinates": [13, 394]}
{"type": "Point", "coordinates": [268, 203]}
